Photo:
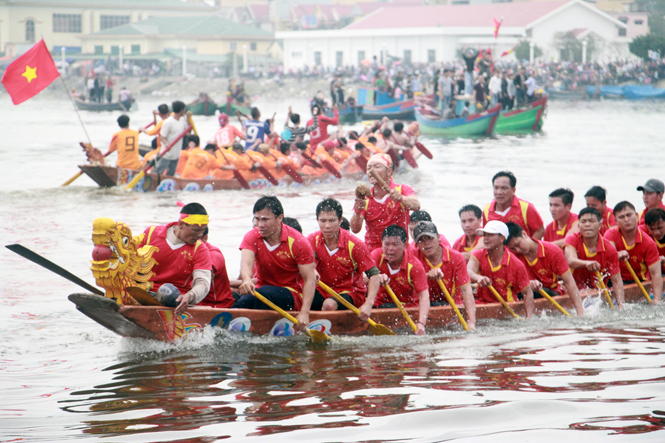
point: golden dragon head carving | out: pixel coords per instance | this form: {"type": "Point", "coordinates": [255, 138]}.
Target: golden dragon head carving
{"type": "Point", "coordinates": [118, 262]}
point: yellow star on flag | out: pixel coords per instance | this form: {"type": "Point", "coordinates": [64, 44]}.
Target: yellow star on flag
{"type": "Point", "coordinates": [30, 73]}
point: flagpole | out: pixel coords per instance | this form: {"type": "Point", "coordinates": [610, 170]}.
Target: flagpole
{"type": "Point", "coordinates": [75, 109]}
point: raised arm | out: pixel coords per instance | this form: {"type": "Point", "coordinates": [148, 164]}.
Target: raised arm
{"type": "Point", "coordinates": [308, 273]}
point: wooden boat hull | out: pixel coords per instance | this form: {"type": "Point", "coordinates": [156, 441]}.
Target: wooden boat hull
{"type": "Point", "coordinates": [109, 176]}
{"type": "Point", "coordinates": [159, 323]}
{"type": "Point", "coordinates": [563, 94]}
{"type": "Point", "coordinates": [521, 120]}
{"type": "Point", "coordinates": [230, 108]}
{"type": "Point", "coordinates": [403, 110]}
{"type": "Point", "coordinates": [202, 106]}
{"type": "Point", "coordinates": [476, 125]}
{"type": "Point", "coordinates": [100, 107]}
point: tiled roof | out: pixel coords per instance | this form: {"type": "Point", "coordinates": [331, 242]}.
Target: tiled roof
{"type": "Point", "coordinates": [193, 26]}
{"type": "Point", "coordinates": [481, 15]}
{"type": "Point", "coordinates": [130, 4]}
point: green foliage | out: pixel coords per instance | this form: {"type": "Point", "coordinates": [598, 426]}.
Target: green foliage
{"type": "Point", "coordinates": [570, 46]}
{"type": "Point", "coordinates": [641, 45]}
{"type": "Point", "coordinates": [522, 51]}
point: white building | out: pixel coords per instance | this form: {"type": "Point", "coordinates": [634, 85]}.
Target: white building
{"type": "Point", "coordinates": [422, 34]}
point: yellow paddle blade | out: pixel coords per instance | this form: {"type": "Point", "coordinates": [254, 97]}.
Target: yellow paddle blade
{"type": "Point", "coordinates": [134, 181]}
{"type": "Point", "coordinates": [557, 305]}
{"type": "Point", "coordinates": [313, 334]}
{"type": "Point", "coordinates": [379, 329]}
{"type": "Point", "coordinates": [71, 180]}
{"type": "Point", "coordinates": [142, 296]}
{"type": "Point", "coordinates": [317, 336]}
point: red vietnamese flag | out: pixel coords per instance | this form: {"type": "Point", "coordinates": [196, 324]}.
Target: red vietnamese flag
{"type": "Point", "coordinates": [29, 74]}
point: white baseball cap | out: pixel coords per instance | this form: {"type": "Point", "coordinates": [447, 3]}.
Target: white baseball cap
{"type": "Point", "coordinates": [493, 227]}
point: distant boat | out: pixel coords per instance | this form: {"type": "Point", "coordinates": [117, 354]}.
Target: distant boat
{"type": "Point", "coordinates": [529, 118]}
{"type": "Point", "coordinates": [348, 115]}
{"type": "Point", "coordinates": [565, 94]}
{"type": "Point", "coordinates": [475, 125]}
{"type": "Point", "coordinates": [203, 105]}
{"type": "Point", "coordinates": [99, 107]}
{"type": "Point", "coordinates": [402, 110]}
{"type": "Point", "coordinates": [639, 92]}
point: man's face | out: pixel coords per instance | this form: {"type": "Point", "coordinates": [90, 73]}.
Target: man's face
{"type": "Point", "coordinates": [493, 241]}
{"type": "Point", "coordinates": [190, 233]}
{"type": "Point", "coordinates": [427, 245]}
{"type": "Point", "coordinates": [328, 223]}
{"type": "Point", "coordinates": [558, 210]}
{"type": "Point", "coordinates": [652, 199]}
{"type": "Point", "coordinates": [503, 192]}
{"type": "Point", "coordinates": [626, 219]}
{"type": "Point", "coordinates": [470, 223]}
{"type": "Point", "coordinates": [593, 202]}
{"type": "Point", "coordinates": [519, 245]}
{"type": "Point", "coordinates": [267, 223]}
{"type": "Point", "coordinates": [657, 229]}
{"type": "Point", "coordinates": [381, 170]}
{"type": "Point", "coordinates": [393, 248]}
{"type": "Point", "coordinates": [589, 226]}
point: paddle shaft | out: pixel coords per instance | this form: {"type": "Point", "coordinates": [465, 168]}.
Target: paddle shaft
{"type": "Point", "coordinates": [284, 314]}
{"type": "Point", "coordinates": [41, 261]}
{"type": "Point", "coordinates": [603, 288]}
{"type": "Point", "coordinates": [639, 283]}
{"type": "Point", "coordinates": [378, 178]}
{"type": "Point", "coordinates": [401, 308]}
{"type": "Point", "coordinates": [236, 173]}
{"type": "Point", "coordinates": [341, 299]}
{"type": "Point", "coordinates": [145, 169]}
{"type": "Point", "coordinates": [557, 305]}
{"type": "Point", "coordinates": [452, 304]}
{"type": "Point", "coordinates": [503, 302]}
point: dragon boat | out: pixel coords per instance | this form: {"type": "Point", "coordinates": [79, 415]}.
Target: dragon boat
{"type": "Point", "coordinates": [529, 118]}
{"type": "Point", "coordinates": [100, 106]}
{"type": "Point", "coordinates": [110, 176]}
{"type": "Point", "coordinates": [474, 125]}
{"type": "Point", "coordinates": [129, 266]}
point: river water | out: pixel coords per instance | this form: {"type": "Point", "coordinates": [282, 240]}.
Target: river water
{"type": "Point", "coordinates": [65, 378]}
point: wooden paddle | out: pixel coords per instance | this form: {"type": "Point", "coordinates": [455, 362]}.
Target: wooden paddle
{"type": "Point", "coordinates": [236, 173]}
{"type": "Point", "coordinates": [310, 159]}
{"type": "Point", "coordinates": [374, 328]}
{"type": "Point", "coordinates": [145, 169]}
{"type": "Point", "coordinates": [503, 302]}
{"type": "Point", "coordinates": [378, 178]}
{"type": "Point", "coordinates": [603, 288]}
{"type": "Point", "coordinates": [557, 305]}
{"type": "Point", "coordinates": [78, 174]}
{"type": "Point", "coordinates": [41, 261]}
{"type": "Point", "coordinates": [639, 283]}
{"type": "Point", "coordinates": [424, 150]}
{"type": "Point", "coordinates": [406, 153]}
{"type": "Point", "coordinates": [142, 296]}
{"type": "Point", "coordinates": [401, 308]}
{"type": "Point", "coordinates": [452, 304]}
{"type": "Point", "coordinates": [313, 334]}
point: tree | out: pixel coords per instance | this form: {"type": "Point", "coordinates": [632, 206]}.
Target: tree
{"type": "Point", "coordinates": [522, 51]}
{"type": "Point", "coordinates": [656, 10]}
{"type": "Point", "coordinates": [640, 46]}
{"type": "Point", "coordinates": [570, 46]}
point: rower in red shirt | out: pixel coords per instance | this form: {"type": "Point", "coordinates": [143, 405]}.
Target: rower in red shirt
{"type": "Point", "coordinates": [341, 260]}
{"type": "Point", "coordinates": [383, 208]}
{"type": "Point", "coordinates": [220, 295]}
{"type": "Point", "coordinates": [404, 273]}
{"type": "Point", "coordinates": [320, 134]}
{"type": "Point", "coordinates": [588, 252]}
{"type": "Point", "coordinates": [495, 265]}
{"type": "Point", "coordinates": [415, 218]}
{"type": "Point", "coordinates": [545, 263]}
{"type": "Point", "coordinates": [564, 221]}
{"type": "Point", "coordinates": [471, 218]}
{"type": "Point", "coordinates": [652, 195]}
{"type": "Point", "coordinates": [636, 249]}
{"type": "Point", "coordinates": [506, 207]}
{"type": "Point", "coordinates": [226, 134]}
{"type": "Point", "coordinates": [183, 269]}
{"type": "Point", "coordinates": [284, 260]}
{"type": "Point", "coordinates": [441, 262]}
{"type": "Point", "coordinates": [596, 198]}
{"type": "Point", "coordinates": [655, 221]}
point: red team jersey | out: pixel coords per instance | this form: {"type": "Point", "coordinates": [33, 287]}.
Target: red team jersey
{"type": "Point", "coordinates": [225, 136]}
{"type": "Point", "coordinates": [607, 221]}
{"type": "Point", "coordinates": [460, 244]}
{"type": "Point", "coordinates": [549, 265]}
{"type": "Point", "coordinates": [343, 270]}
{"type": "Point", "coordinates": [321, 132]}
{"type": "Point", "coordinates": [279, 267]}
{"type": "Point", "coordinates": [220, 295]}
{"type": "Point", "coordinates": [605, 254]}
{"type": "Point", "coordinates": [455, 275]}
{"type": "Point", "coordinates": [175, 266]}
{"type": "Point", "coordinates": [552, 232]}
{"type": "Point", "coordinates": [642, 254]}
{"type": "Point", "coordinates": [509, 278]}
{"type": "Point", "coordinates": [521, 212]}
{"type": "Point", "coordinates": [406, 283]}
{"type": "Point", "coordinates": [641, 222]}
{"type": "Point", "coordinates": [378, 216]}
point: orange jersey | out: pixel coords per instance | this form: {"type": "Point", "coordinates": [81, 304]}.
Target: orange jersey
{"type": "Point", "coordinates": [226, 136]}
{"type": "Point", "coordinates": [126, 142]}
{"type": "Point", "coordinates": [182, 161]}
{"type": "Point", "coordinates": [199, 163]}
{"type": "Point", "coordinates": [149, 156]}
{"type": "Point", "coordinates": [155, 131]}
{"type": "Point", "coordinates": [228, 157]}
